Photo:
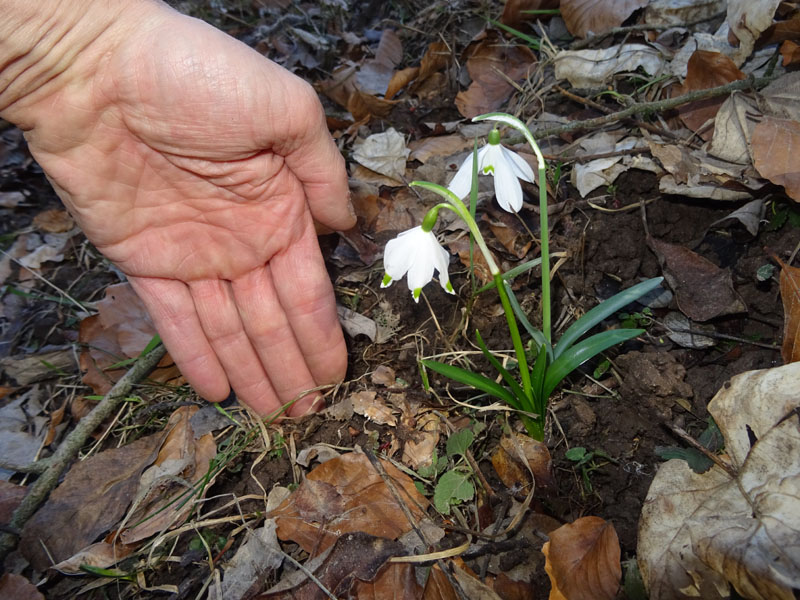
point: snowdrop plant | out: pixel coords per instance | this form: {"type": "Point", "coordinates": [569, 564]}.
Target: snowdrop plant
{"type": "Point", "coordinates": [417, 253]}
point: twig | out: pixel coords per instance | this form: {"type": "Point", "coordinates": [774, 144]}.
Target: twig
{"type": "Point", "coordinates": [644, 27]}
{"type": "Point", "coordinates": [69, 448]}
{"type": "Point", "coordinates": [649, 107]}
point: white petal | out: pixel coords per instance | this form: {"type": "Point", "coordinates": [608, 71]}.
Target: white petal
{"type": "Point", "coordinates": [421, 272]}
{"type": "Point", "coordinates": [490, 156]}
{"type": "Point", "coordinates": [442, 263]}
{"type": "Point", "coordinates": [462, 180]}
{"type": "Point", "coordinates": [521, 167]}
{"type": "Point", "coordinates": [507, 187]}
{"type": "Point", "coordinates": [399, 254]}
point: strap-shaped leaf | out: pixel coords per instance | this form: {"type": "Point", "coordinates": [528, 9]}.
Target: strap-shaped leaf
{"type": "Point", "coordinates": [512, 273]}
{"type": "Point", "coordinates": [601, 311]}
{"type": "Point", "coordinates": [538, 376]}
{"type": "Point", "coordinates": [479, 382]}
{"type": "Point", "coordinates": [512, 383]}
{"type": "Point", "coordinates": [580, 353]}
{"type": "Point", "coordinates": [538, 336]}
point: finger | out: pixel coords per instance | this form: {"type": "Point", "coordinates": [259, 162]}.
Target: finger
{"type": "Point", "coordinates": [319, 166]}
{"type": "Point", "coordinates": [222, 325]}
{"type": "Point", "coordinates": [274, 340]}
{"type": "Point", "coordinates": [170, 306]}
{"type": "Point", "coordinates": [305, 291]}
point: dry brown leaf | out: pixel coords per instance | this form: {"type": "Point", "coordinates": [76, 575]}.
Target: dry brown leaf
{"type": "Point", "coordinates": [514, 11]}
{"type": "Point", "coordinates": [16, 587]}
{"type": "Point", "coordinates": [781, 31]}
{"type": "Point", "coordinates": [509, 232]}
{"type": "Point", "coordinates": [11, 495]}
{"type": "Point", "coordinates": [354, 557]}
{"type": "Point", "coordinates": [517, 457]}
{"type": "Point", "coordinates": [436, 58]}
{"type": "Point", "coordinates": [384, 153]}
{"type": "Point", "coordinates": [441, 145]}
{"type": "Point", "coordinates": [56, 220]}
{"type": "Point", "coordinates": [394, 582]}
{"type": "Point", "coordinates": [419, 448]}
{"type": "Point", "coordinates": [375, 75]}
{"type": "Point", "coordinates": [89, 502]}
{"type": "Point", "coordinates": [790, 295]}
{"type": "Point", "coordinates": [702, 289]}
{"type": "Point", "coordinates": [597, 16]}
{"type": "Point", "coordinates": [383, 375]}
{"type": "Point", "coordinates": [583, 560]}
{"type": "Point", "coordinates": [701, 533]}
{"type": "Point", "coordinates": [401, 79]}
{"type": "Point", "coordinates": [492, 63]}
{"type": "Point", "coordinates": [790, 52]}
{"type": "Point", "coordinates": [461, 247]}
{"type": "Point", "coordinates": [776, 153]}
{"type": "Point", "coordinates": [367, 404]}
{"type": "Point", "coordinates": [706, 70]}
{"type": "Point", "coordinates": [748, 20]}
{"type": "Point", "coordinates": [346, 495]}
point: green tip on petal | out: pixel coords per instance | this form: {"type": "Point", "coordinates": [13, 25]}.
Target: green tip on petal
{"type": "Point", "coordinates": [488, 169]}
{"type": "Point", "coordinates": [416, 294]}
{"type": "Point", "coordinates": [386, 280]}
{"type": "Point", "coordinates": [449, 288]}
{"type": "Point", "coordinates": [494, 137]}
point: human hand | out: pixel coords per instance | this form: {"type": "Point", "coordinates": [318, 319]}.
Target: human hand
{"type": "Point", "coordinates": [199, 167]}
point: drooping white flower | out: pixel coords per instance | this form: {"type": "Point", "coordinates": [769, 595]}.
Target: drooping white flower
{"type": "Point", "coordinates": [507, 168]}
{"type": "Point", "coordinates": [416, 252]}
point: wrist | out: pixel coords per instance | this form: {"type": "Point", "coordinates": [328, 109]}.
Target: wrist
{"type": "Point", "coordinates": [42, 52]}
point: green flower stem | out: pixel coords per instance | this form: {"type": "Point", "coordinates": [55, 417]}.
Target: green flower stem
{"type": "Point", "coordinates": [545, 231]}
{"type": "Point", "coordinates": [544, 240]}
{"type": "Point", "coordinates": [519, 349]}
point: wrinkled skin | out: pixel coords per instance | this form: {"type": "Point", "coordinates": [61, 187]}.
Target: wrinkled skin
{"type": "Point", "coordinates": [199, 168]}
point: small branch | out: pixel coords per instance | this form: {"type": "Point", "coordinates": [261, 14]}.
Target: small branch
{"type": "Point", "coordinates": [585, 43]}
{"type": "Point", "coordinates": [705, 451]}
{"type": "Point", "coordinates": [68, 450]}
{"type": "Point", "coordinates": [648, 107]}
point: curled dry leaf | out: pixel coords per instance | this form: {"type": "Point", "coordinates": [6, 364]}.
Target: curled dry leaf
{"type": "Point", "coordinates": [583, 560]}
{"type": "Point", "coordinates": [384, 153]}
{"type": "Point", "coordinates": [17, 587]}
{"type": "Point", "coordinates": [584, 17]}
{"type": "Point", "coordinates": [701, 534]}
{"type": "Point", "coordinates": [776, 153]}
{"type": "Point", "coordinates": [53, 221]}
{"type": "Point", "coordinates": [346, 495]}
{"type": "Point", "coordinates": [702, 289]}
{"type": "Point", "coordinates": [748, 19]}
{"type": "Point", "coordinates": [790, 295]}
{"type": "Point", "coordinates": [790, 52]}
{"type": "Point", "coordinates": [519, 457]}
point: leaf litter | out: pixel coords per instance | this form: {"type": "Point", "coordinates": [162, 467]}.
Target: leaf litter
{"type": "Point", "coordinates": [397, 98]}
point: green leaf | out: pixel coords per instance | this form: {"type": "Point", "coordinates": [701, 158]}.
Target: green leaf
{"type": "Point", "coordinates": [479, 382]}
{"type": "Point", "coordinates": [538, 377]}
{"type": "Point", "coordinates": [601, 311]}
{"type": "Point", "coordinates": [459, 442]}
{"type": "Point", "coordinates": [576, 454]}
{"type": "Point", "coordinates": [531, 41]}
{"type": "Point", "coordinates": [452, 488]}
{"type": "Point", "coordinates": [516, 388]}
{"type": "Point", "coordinates": [579, 354]}
{"type": "Point", "coordinates": [698, 462]}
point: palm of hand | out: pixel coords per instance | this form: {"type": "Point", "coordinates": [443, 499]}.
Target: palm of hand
{"type": "Point", "coordinates": [196, 166]}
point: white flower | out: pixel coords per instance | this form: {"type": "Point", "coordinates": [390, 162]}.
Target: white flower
{"type": "Point", "coordinates": [506, 166]}
{"type": "Point", "coordinates": [418, 253]}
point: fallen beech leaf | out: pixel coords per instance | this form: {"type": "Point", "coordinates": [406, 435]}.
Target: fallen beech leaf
{"type": "Point", "coordinates": [384, 153]}
{"type": "Point", "coordinates": [354, 557]}
{"type": "Point", "coordinates": [583, 560]}
{"type": "Point", "coordinates": [776, 153]}
{"type": "Point", "coordinates": [790, 52]}
{"type": "Point", "coordinates": [749, 215]}
{"type": "Point", "coordinates": [706, 70]}
{"type": "Point", "coordinates": [254, 561]}
{"type": "Point", "coordinates": [375, 75]}
{"type": "Point", "coordinates": [11, 495]}
{"type": "Point", "coordinates": [345, 495]}
{"type": "Point", "coordinates": [790, 295]}
{"type": "Point", "coordinates": [461, 247]}
{"type": "Point", "coordinates": [393, 582]}
{"type": "Point", "coordinates": [781, 31]}
{"type": "Point", "coordinates": [748, 20]}
{"type": "Point", "coordinates": [442, 145]}
{"type": "Point", "coordinates": [419, 448]}
{"type": "Point", "coordinates": [89, 502]}
{"type": "Point", "coordinates": [355, 323]}
{"type": "Point", "coordinates": [436, 58]}
{"type": "Point", "coordinates": [56, 220]}
{"type": "Point", "coordinates": [733, 128]}
{"type": "Point", "coordinates": [401, 79]}
{"type": "Point", "coordinates": [700, 534]}
{"type": "Point", "coordinates": [367, 404]}
{"type": "Point", "coordinates": [491, 64]}
{"type": "Point", "coordinates": [517, 457]}
{"type": "Point", "coordinates": [584, 17]}
{"type": "Point", "coordinates": [592, 68]}
{"type": "Point", "coordinates": [702, 289]}
{"type": "Point", "coordinates": [17, 587]}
